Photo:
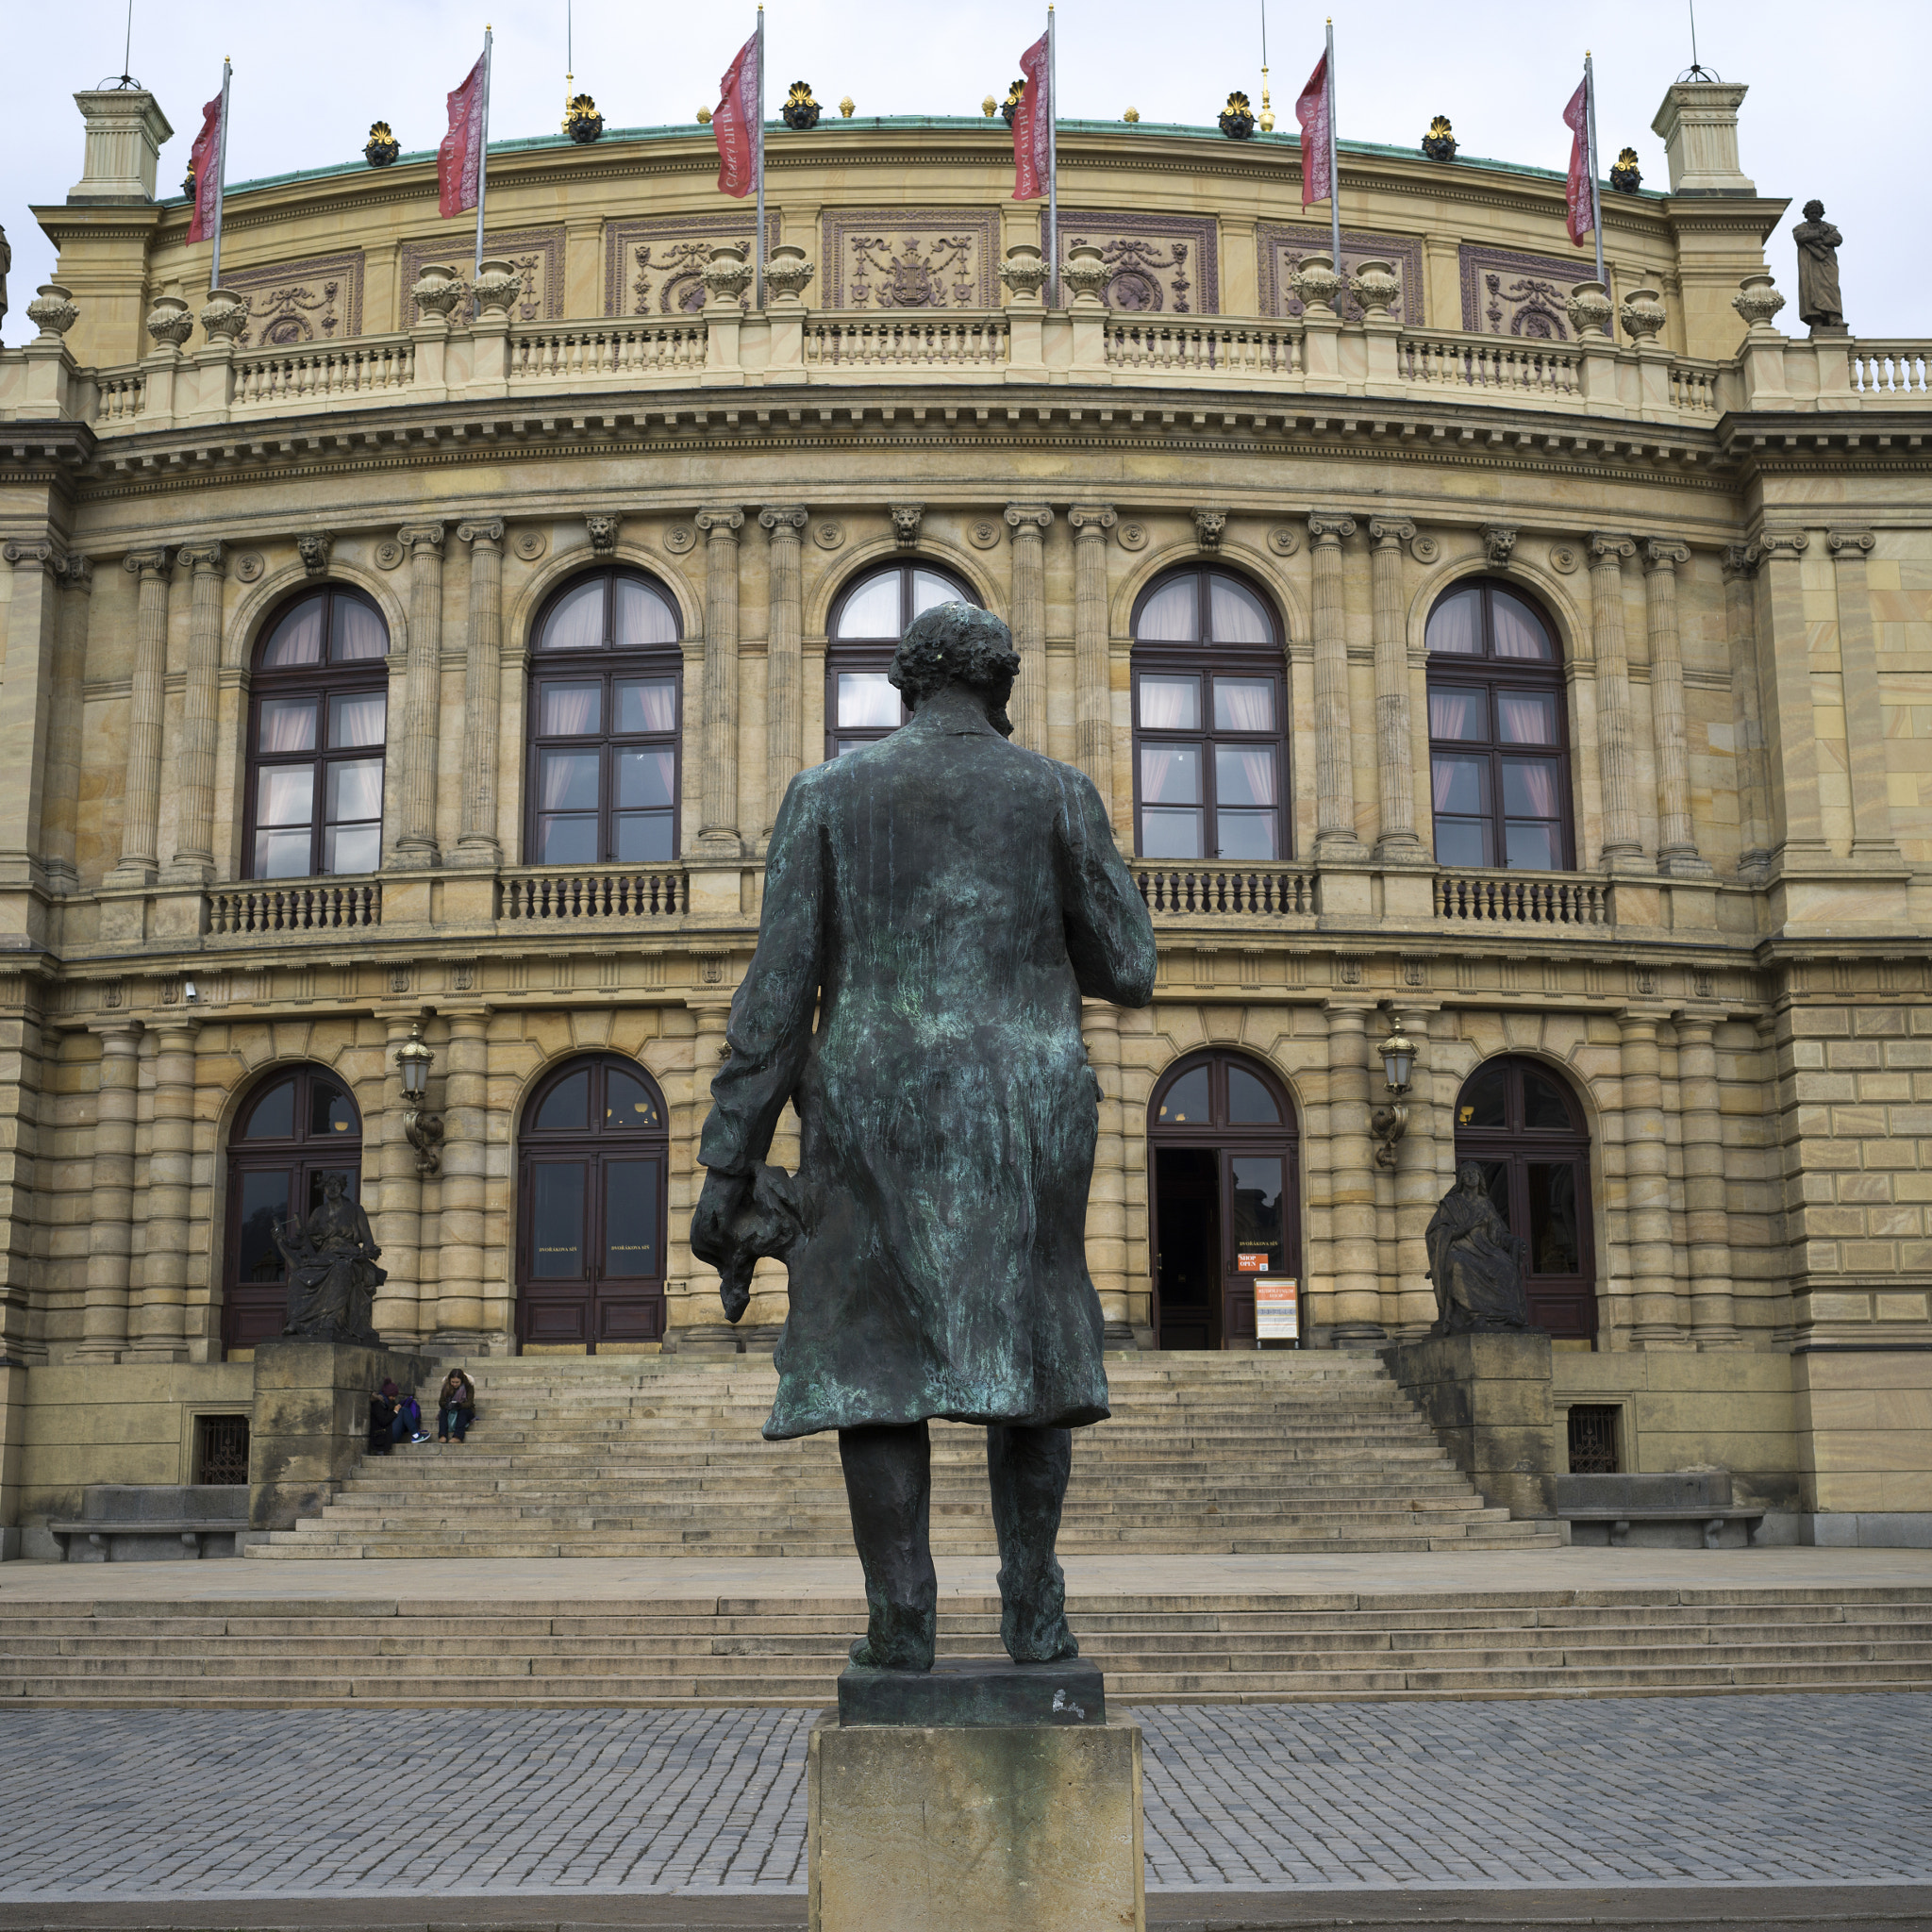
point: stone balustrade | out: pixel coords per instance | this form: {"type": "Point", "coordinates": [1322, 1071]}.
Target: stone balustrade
{"type": "Point", "coordinates": [1202, 889]}
{"type": "Point", "coordinates": [581, 895]}
{"type": "Point", "coordinates": [286, 908]}
{"type": "Point", "coordinates": [1544, 899]}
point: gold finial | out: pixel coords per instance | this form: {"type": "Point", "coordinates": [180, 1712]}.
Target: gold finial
{"type": "Point", "coordinates": [846, 106]}
{"type": "Point", "coordinates": [989, 106]}
{"type": "Point", "coordinates": [1265, 119]}
{"type": "Point", "coordinates": [1132, 114]}
{"type": "Point", "coordinates": [703, 117]}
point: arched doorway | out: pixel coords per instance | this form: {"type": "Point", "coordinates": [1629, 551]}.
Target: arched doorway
{"type": "Point", "coordinates": [1519, 1121]}
{"type": "Point", "coordinates": [1224, 1163]}
{"type": "Point", "coordinates": [296, 1129]}
{"type": "Point", "coordinates": [590, 1169]}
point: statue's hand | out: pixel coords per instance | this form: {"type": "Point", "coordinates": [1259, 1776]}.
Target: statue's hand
{"type": "Point", "coordinates": [717, 1236]}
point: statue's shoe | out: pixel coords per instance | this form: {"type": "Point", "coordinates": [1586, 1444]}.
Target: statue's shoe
{"type": "Point", "coordinates": [862, 1655]}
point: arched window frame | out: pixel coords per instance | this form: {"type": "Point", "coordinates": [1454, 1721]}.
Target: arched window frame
{"type": "Point", "coordinates": [1497, 837]}
{"type": "Point", "coordinates": [620, 827]}
{"type": "Point", "coordinates": [1215, 746]}
{"type": "Point", "coordinates": [869, 657]}
{"type": "Point", "coordinates": [348, 711]}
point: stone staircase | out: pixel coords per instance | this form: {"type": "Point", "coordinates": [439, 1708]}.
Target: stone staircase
{"type": "Point", "coordinates": [658, 1456]}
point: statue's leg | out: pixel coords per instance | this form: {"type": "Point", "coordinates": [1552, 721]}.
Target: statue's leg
{"type": "Point", "coordinates": [1029, 1470]}
{"type": "Point", "coordinates": [888, 1485]}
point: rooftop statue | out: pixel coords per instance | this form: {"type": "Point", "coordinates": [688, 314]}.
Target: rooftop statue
{"type": "Point", "coordinates": [1818, 301]}
{"type": "Point", "coordinates": [937, 904]}
{"type": "Point", "coordinates": [1475, 1260]}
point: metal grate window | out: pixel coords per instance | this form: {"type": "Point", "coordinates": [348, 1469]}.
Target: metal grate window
{"type": "Point", "coordinates": [1593, 1439]}
{"type": "Point", "coordinates": [221, 1446]}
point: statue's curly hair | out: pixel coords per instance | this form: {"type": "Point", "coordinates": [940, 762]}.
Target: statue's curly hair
{"type": "Point", "coordinates": [954, 643]}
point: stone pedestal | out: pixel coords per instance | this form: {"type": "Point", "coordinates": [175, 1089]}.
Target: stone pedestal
{"type": "Point", "coordinates": [1487, 1396]}
{"type": "Point", "coordinates": [312, 1421]}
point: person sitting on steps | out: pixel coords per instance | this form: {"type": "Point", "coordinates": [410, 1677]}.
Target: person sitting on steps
{"type": "Point", "coordinates": [455, 1406]}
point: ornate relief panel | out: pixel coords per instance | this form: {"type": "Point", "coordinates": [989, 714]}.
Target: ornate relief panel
{"type": "Point", "coordinates": [653, 267]}
{"type": "Point", "coordinates": [294, 304]}
{"type": "Point", "coordinates": [1165, 264]}
{"type": "Point", "coordinates": [910, 258]}
{"type": "Point", "coordinates": [1282, 244]}
{"type": "Point", "coordinates": [1509, 294]}
{"type": "Point", "coordinates": [537, 254]}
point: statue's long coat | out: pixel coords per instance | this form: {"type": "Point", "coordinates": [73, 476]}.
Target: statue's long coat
{"type": "Point", "coordinates": [939, 901]}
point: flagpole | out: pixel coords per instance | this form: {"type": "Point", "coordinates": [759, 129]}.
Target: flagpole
{"type": "Point", "coordinates": [483, 154]}
{"type": "Point", "coordinates": [1334, 171]}
{"type": "Point", "coordinates": [214, 273]}
{"type": "Point", "coordinates": [757, 245]}
{"type": "Point", "coordinates": [1053, 168]}
{"type": "Point", "coordinates": [1596, 203]}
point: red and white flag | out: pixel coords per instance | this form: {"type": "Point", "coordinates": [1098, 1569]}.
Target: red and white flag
{"type": "Point", "coordinates": [734, 122]}
{"type": "Point", "coordinates": [1582, 184]}
{"type": "Point", "coordinates": [204, 158]}
{"type": "Point", "coordinates": [460, 159]}
{"type": "Point", "coordinates": [1033, 124]}
{"type": "Point", "coordinates": [1314, 109]}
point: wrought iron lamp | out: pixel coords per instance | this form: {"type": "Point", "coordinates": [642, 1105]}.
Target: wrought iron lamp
{"type": "Point", "coordinates": [421, 1128]}
{"type": "Point", "coordinates": [1390, 1121]}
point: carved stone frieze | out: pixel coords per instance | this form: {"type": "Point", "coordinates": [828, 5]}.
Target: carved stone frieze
{"type": "Point", "coordinates": [1507, 294]}
{"type": "Point", "coordinates": [1281, 245]}
{"type": "Point", "coordinates": [1155, 264]}
{"type": "Point", "coordinates": [536, 255]}
{"type": "Point", "coordinates": [657, 267]}
{"type": "Point", "coordinates": [294, 304]}
{"type": "Point", "coordinates": [910, 259]}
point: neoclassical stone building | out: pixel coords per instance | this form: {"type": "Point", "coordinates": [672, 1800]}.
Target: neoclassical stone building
{"type": "Point", "coordinates": [1541, 671]}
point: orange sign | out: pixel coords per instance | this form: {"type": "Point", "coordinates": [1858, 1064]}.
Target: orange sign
{"type": "Point", "coordinates": [1251, 1264]}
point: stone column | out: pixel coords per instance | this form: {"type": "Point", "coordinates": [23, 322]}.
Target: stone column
{"type": "Point", "coordinates": [397, 1221]}
{"type": "Point", "coordinates": [111, 1198]}
{"type": "Point", "coordinates": [1107, 1200]}
{"type": "Point", "coordinates": [1622, 849]}
{"type": "Point", "coordinates": [718, 817]}
{"type": "Point", "coordinates": [1352, 1179]}
{"type": "Point", "coordinates": [1092, 666]}
{"type": "Point", "coordinates": [1029, 523]}
{"type": "Point", "coordinates": [421, 703]}
{"type": "Point", "coordinates": [1740, 631]}
{"type": "Point", "coordinates": [1335, 835]}
{"type": "Point", "coordinates": [61, 793]}
{"type": "Point", "coordinates": [1394, 725]}
{"type": "Point", "coordinates": [465, 1155]}
{"type": "Point", "coordinates": [784, 657]}
{"type": "Point", "coordinates": [698, 1321]}
{"type": "Point", "coordinates": [1857, 653]}
{"type": "Point", "coordinates": [1677, 842]}
{"type": "Point", "coordinates": [1712, 1310]}
{"type": "Point", "coordinates": [1797, 823]}
{"type": "Point", "coordinates": [195, 762]}
{"type": "Point", "coordinates": [160, 1326]}
{"type": "Point", "coordinates": [26, 706]}
{"type": "Point", "coordinates": [1647, 1185]}
{"type": "Point", "coordinates": [142, 802]}
{"type": "Point", "coordinates": [476, 844]}
{"type": "Point", "coordinates": [1418, 1184]}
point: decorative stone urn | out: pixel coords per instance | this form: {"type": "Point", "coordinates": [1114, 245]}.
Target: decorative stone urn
{"type": "Point", "coordinates": [438, 290]}
{"type": "Point", "coordinates": [1642, 314]}
{"type": "Point", "coordinates": [169, 322]}
{"type": "Point", "coordinates": [1590, 308]}
{"type": "Point", "coordinates": [1024, 271]}
{"type": "Point", "coordinates": [788, 270]}
{"type": "Point", "coordinates": [1376, 286]}
{"type": "Point", "coordinates": [726, 276]}
{"type": "Point", "coordinates": [497, 286]}
{"type": "Point", "coordinates": [1316, 283]}
{"type": "Point", "coordinates": [53, 310]}
{"type": "Point", "coordinates": [1086, 272]}
{"type": "Point", "coordinates": [1758, 301]}
{"type": "Point", "coordinates": [224, 316]}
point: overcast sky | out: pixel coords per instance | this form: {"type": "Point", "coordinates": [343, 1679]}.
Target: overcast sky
{"type": "Point", "coordinates": [1835, 108]}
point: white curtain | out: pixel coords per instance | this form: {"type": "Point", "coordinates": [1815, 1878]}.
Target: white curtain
{"type": "Point", "coordinates": [872, 610]}
{"type": "Point", "coordinates": [297, 639]}
{"type": "Point", "coordinates": [1235, 614]}
{"type": "Point", "coordinates": [357, 720]}
{"type": "Point", "coordinates": [1171, 616]}
{"type": "Point", "coordinates": [1526, 718]}
{"type": "Point", "coordinates": [1244, 775]}
{"type": "Point", "coordinates": [288, 724]}
{"type": "Point", "coordinates": [577, 623]}
{"type": "Point", "coordinates": [359, 633]}
{"type": "Point", "coordinates": [1170, 704]}
{"type": "Point", "coordinates": [571, 710]}
{"type": "Point", "coordinates": [1244, 705]}
{"type": "Point", "coordinates": [565, 773]}
{"type": "Point", "coordinates": [1455, 625]}
{"type": "Point", "coordinates": [647, 706]}
{"type": "Point", "coordinates": [1455, 714]}
{"type": "Point", "coordinates": [1517, 633]}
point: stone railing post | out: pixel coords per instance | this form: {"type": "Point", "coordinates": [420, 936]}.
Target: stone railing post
{"type": "Point", "coordinates": [1335, 834]}
{"type": "Point", "coordinates": [194, 763]}
{"type": "Point", "coordinates": [1647, 1185]}
{"type": "Point", "coordinates": [1030, 522]}
{"type": "Point", "coordinates": [1676, 841]}
{"type": "Point", "coordinates": [110, 1199]}
{"type": "Point", "coordinates": [1740, 631]}
{"type": "Point", "coordinates": [1622, 849]}
{"type": "Point", "coordinates": [423, 697]}
{"type": "Point", "coordinates": [159, 1332]}
{"type": "Point", "coordinates": [1352, 1180]}
{"type": "Point", "coordinates": [60, 792]}
{"type": "Point", "coordinates": [718, 785]}
{"type": "Point", "coordinates": [141, 810]}
{"type": "Point", "coordinates": [1093, 669]}
{"type": "Point", "coordinates": [1857, 657]}
{"type": "Point", "coordinates": [1394, 725]}
{"type": "Point", "coordinates": [1707, 1220]}
{"type": "Point", "coordinates": [476, 844]}
{"type": "Point", "coordinates": [784, 654]}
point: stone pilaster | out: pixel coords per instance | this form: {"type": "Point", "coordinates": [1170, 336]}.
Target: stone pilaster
{"type": "Point", "coordinates": [422, 699]}
{"type": "Point", "coordinates": [142, 805]}
{"type": "Point", "coordinates": [1623, 848]}
{"type": "Point", "coordinates": [1676, 841]}
{"type": "Point", "coordinates": [1335, 834]}
{"type": "Point", "coordinates": [784, 654]}
{"type": "Point", "coordinates": [1647, 1185]}
{"type": "Point", "coordinates": [1092, 672]}
{"type": "Point", "coordinates": [397, 1221]}
{"type": "Point", "coordinates": [1790, 726]}
{"type": "Point", "coordinates": [158, 1329]}
{"type": "Point", "coordinates": [1395, 722]}
{"type": "Point", "coordinates": [1029, 523]}
{"type": "Point", "coordinates": [194, 758]}
{"type": "Point", "coordinates": [718, 782]}
{"type": "Point", "coordinates": [110, 1197]}
{"type": "Point", "coordinates": [1708, 1222]}
{"type": "Point", "coordinates": [1747, 721]}
{"type": "Point", "coordinates": [1352, 1179]}
{"type": "Point", "coordinates": [695, 1323]}
{"type": "Point", "coordinates": [1107, 1200]}
{"type": "Point", "coordinates": [60, 792]}
{"type": "Point", "coordinates": [459, 1309]}
{"type": "Point", "coordinates": [25, 708]}
{"type": "Point", "coordinates": [477, 843]}
{"type": "Point", "coordinates": [1857, 653]}
{"type": "Point", "coordinates": [1418, 1184]}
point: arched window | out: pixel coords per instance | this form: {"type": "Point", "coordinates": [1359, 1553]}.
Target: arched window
{"type": "Point", "coordinates": [1222, 1152]}
{"type": "Point", "coordinates": [1519, 1121]}
{"type": "Point", "coordinates": [318, 715]}
{"type": "Point", "coordinates": [295, 1130]}
{"type": "Point", "coordinates": [1210, 759]}
{"type": "Point", "coordinates": [592, 1158]}
{"type": "Point", "coordinates": [605, 682]}
{"type": "Point", "coordinates": [1499, 769]}
{"type": "Point", "coordinates": [868, 620]}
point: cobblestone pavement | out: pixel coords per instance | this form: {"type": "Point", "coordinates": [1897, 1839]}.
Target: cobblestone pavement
{"type": "Point", "coordinates": [207, 1805]}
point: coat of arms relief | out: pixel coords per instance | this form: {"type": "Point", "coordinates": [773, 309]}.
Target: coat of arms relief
{"type": "Point", "coordinates": [910, 259]}
{"type": "Point", "coordinates": [295, 305]}
{"type": "Point", "coordinates": [1158, 264]}
{"type": "Point", "coordinates": [656, 267]}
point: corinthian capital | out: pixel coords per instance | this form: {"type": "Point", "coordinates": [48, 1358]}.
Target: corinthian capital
{"type": "Point", "coordinates": [1664, 554]}
{"type": "Point", "coordinates": [1328, 526]}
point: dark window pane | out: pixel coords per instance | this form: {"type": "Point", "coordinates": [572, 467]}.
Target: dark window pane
{"type": "Point", "coordinates": [285, 795]}
{"type": "Point", "coordinates": [1170, 774]}
{"type": "Point", "coordinates": [1457, 713]}
{"type": "Point", "coordinates": [1529, 787]}
{"type": "Point", "coordinates": [357, 633]}
{"type": "Point", "coordinates": [567, 780]}
{"type": "Point", "coordinates": [288, 724]}
{"type": "Point", "coordinates": [1462, 842]}
{"type": "Point", "coordinates": [1246, 836]}
{"type": "Point", "coordinates": [264, 1202]}
{"type": "Point", "coordinates": [1543, 1104]}
{"type": "Point", "coordinates": [1169, 834]}
{"type": "Point", "coordinates": [1455, 627]}
{"type": "Point", "coordinates": [352, 848]}
{"type": "Point", "coordinates": [1172, 615]}
{"type": "Point", "coordinates": [318, 1179]}
{"type": "Point", "coordinates": [567, 841]}
{"type": "Point", "coordinates": [643, 616]}
{"type": "Point", "coordinates": [1170, 704]}
{"type": "Point", "coordinates": [1516, 631]}
{"type": "Point", "coordinates": [1553, 1248]}
{"type": "Point", "coordinates": [556, 1219]}
{"type": "Point", "coordinates": [1255, 1196]}
{"type": "Point", "coordinates": [1462, 785]}
{"type": "Point", "coordinates": [646, 837]}
{"type": "Point", "coordinates": [567, 1105]}
{"type": "Point", "coordinates": [1496, 1185]}
{"type": "Point", "coordinates": [646, 705]}
{"type": "Point", "coordinates": [577, 621]}
{"type": "Point", "coordinates": [627, 1104]}
{"type": "Point", "coordinates": [1249, 1103]}
{"type": "Point", "coordinates": [1244, 773]}
{"type": "Point", "coordinates": [273, 1117]}
{"type": "Point", "coordinates": [297, 640]}
{"type": "Point", "coordinates": [1185, 1103]}
{"type": "Point", "coordinates": [643, 779]}
{"type": "Point", "coordinates": [1524, 717]}
{"type": "Point", "coordinates": [1532, 846]}
{"type": "Point", "coordinates": [1480, 1104]}
{"type": "Point", "coordinates": [329, 1110]}
{"type": "Point", "coordinates": [630, 1219]}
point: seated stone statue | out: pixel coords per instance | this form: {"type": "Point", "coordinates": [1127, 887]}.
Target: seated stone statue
{"type": "Point", "coordinates": [1474, 1261]}
{"type": "Point", "coordinates": [332, 1272]}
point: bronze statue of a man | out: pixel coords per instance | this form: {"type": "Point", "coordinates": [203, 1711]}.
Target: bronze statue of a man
{"type": "Point", "coordinates": [937, 904]}
{"type": "Point", "coordinates": [1818, 301]}
{"type": "Point", "coordinates": [1474, 1261]}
